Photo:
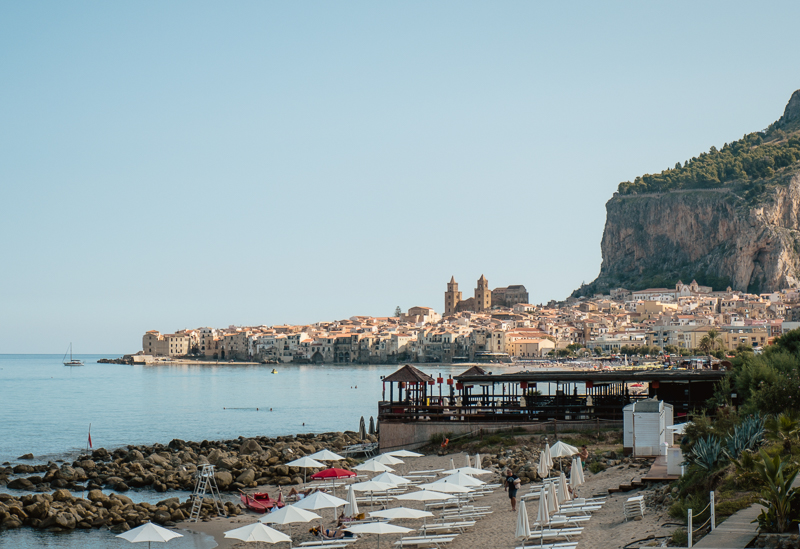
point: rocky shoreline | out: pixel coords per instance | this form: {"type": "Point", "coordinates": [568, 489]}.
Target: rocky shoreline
{"type": "Point", "coordinates": [240, 464]}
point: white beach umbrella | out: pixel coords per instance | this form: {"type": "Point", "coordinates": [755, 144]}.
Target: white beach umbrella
{"type": "Point", "coordinates": [462, 480]}
{"type": "Point", "coordinates": [404, 454]}
{"type": "Point", "coordinates": [469, 463]}
{"type": "Point", "coordinates": [562, 489]}
{"type": "Point", "coordinates": [379, 528]}
{"type": "Point", "coordinates": [149, 532]}
{"type": "Point", "coordinates": [561, 449]}
{"type": "Point", "coordinates": [351, 509]}
{"type": "Point", "coordinates": [289, 515]}
{"type": "Point", "coordinates": [325, 455]}
{"type": "Point", "coordinates": [445, 487]}
{"type": "Point", "coordinates": [423, 495]}
{"type": "Point", "coordinates": [574, 475]}
{"type": "Point", "coordinates": [552, 498]}
{"type": "Point", "coordinates": [391, 478]}
{"type": "Point", "coordinates": [452, 465]}
{"type": "Point", "coordinates": [306, 463]}
{"type": "Point", "coordinates": [523, 524]}
{"type": "Point", "coordinates": [257, 532]}
{"type": "Point", "coordinates": [543, 469]}
{"type": "Point", "coordinates": [387, 459]}
{"type": "Point", "coordinates": [372, 486]}
{"type": "Point", "coordinates": [318, 501]}
{"type": "Point", "coordinates": [471, 471]}
{"type": "Point", "coordinates": [401, 513]}
{"type": "Point", "coordinates": [548, 455]}
{"type": "Point", "coordinates": [478, 462]}
{"type": "Point", "coordinates": [373, 467]}
{"type": "Point", "coordinates": [580, 471]}
{"type": "Point", "coordinates": [543, 515]}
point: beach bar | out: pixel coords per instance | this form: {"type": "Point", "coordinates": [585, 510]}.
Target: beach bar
{"type": "Point", "coordinates": [416, 405]}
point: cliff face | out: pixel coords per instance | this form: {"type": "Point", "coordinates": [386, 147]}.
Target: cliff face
{"type": "Point", "coordinates": [717, 236]}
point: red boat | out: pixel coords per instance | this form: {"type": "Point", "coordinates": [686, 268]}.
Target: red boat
{"type": "Point", "coordinates": [260, 502]}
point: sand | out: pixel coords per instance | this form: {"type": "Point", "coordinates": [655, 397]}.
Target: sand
{"type": "Point", "coordinates": [607, 528]}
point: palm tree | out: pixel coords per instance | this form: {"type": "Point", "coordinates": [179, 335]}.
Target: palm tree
{"type": "Point", "coordinates": [716, 341]}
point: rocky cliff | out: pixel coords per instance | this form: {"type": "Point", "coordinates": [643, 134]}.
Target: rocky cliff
{"type": "Point", "coordinates": [742, 233]}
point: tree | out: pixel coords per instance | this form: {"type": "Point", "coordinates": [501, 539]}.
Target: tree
{"type": "Point", "coordinates": [398, 311]}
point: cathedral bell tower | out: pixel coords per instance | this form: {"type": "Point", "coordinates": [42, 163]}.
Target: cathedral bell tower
{"type": "Point", "coordinates": [483, 295]}
{"type": "Point", "coordinates": [452, 297]}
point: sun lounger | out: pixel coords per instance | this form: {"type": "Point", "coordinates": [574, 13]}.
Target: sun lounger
{"type": "Point", "coordinates": [329, 542]}
{"type": "Point", "coordinates": [633, 507]}
{"type": "Point", "coordinates": [445, 526]}
{"type": "Point", "coordinates": [584, 510]}
{"type": "Point", "coordinates": [557, 521]}
{"type": "Point", "coordinates": [320, 545]}
{"type": "Point", "coordinates": [549, 546]}
{"type": "Point", "coordinates": [426, 541]}
{"type": "Point", "coordinates": [555, 533]}
{"type": "Point", "coordinates": [426, 471]}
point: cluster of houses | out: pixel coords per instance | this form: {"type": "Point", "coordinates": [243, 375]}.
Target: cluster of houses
{"type": "Point", "coordinates": [669, 319]}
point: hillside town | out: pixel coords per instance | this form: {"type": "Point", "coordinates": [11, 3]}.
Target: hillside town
{"type": "Point", "coordinates": [500, 325]}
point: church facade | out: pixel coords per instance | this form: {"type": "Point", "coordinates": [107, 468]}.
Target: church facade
{"type": "Point", "coordinates": [483, 298]}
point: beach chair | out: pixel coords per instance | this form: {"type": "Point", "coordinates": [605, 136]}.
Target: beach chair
{"type": "Point", "coordinates": [446, 526]}
{"type": "Point", "coordinates": [555, 533]}
{"type": "Point", "coordinates": [559, 521]}
{"type": "Point", "coordinates": [549, 546]}
{"type": "Point", "coordinates": [633, 507]}
{"type": "Point", "coordinates": [425, 541]}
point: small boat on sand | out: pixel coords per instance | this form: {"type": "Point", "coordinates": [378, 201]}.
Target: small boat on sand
{"type": "Point", "coordinates": [260, 502]}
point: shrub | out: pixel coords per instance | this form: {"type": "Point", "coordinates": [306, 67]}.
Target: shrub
{"type": "Point", "coordinates": [706, 453]}
{"type": "Point", "coordinates": [748, 435]}
{"type": "Point", "coordinates": [778, 494]}
{"type": "Point", "coordinates": [680, 537]}
{"type": "Point", "coordinates": [597, 467]}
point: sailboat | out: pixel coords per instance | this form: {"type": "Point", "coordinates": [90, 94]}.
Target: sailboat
{"type": "Point", "coordinates": [71, 361]}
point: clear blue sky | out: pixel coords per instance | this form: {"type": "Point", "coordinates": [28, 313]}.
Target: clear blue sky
{"type": "Point", "coordinates": [180, 164]}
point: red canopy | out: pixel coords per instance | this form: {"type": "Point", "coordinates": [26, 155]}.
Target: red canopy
{"type": "Point", "coordinates": [333, 472]}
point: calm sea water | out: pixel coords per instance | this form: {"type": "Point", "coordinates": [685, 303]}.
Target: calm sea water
{"type": "Point", "coordinates": [46, 409]}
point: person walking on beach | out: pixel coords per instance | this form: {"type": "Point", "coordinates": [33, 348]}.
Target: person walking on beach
{"type": "Point", "coordinates": [512, 484]}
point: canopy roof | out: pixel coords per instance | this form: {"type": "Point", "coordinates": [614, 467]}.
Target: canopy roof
{"type": "Point", "coordinates": [408, 373]}
{"type": "Point", "coordinates": [475, 371]}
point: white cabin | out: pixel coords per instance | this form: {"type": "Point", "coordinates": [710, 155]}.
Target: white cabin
{"type": "Point", "coordinates": [645, 425]}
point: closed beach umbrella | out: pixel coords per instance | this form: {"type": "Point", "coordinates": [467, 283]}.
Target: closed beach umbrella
{"type": "Point", "coordinates": [478, 461]}
{"type": "Point", "coordinates": [543, 469]}
{"type": "Point", "coordinates": [257, 532]}
{"type": "Point", "coordinates": [562, 488]}
{"type": "Point", "coordinates": [362, 429]}
{"type": "Point", "coordinates": [371, 425]}
{"type": "Point", "coordinates": [405, 454]}
{"type": "Point", "coordinates": [306, 463]}
{"type": "Point", "coordinates": [325, 455]}
{"type": "Point", "coordinates": [373, 467]}
{"type": "Point", "coordinates": [552, 498]}
{"type": "Point", "coordinates": [351, 509]}
{"type": "Point", "coordinates": [543, 516]}
{"type": "Point", "coordinates": [149, 532]}
{"type": "Point", "coordinates": [289, 515]}
{"type": "Point", "coordinates": [452, 465]}
{"type": "Point", "coordinates": [469, 463]}
{"type": "Point", "coordinates": [523, 524]}
{"type": "Point", "coordinates": [574, 476]}
{"type": "Point", "coordinates": [379, 528]}
{"type": "Point", "coordinates": [549, 455]}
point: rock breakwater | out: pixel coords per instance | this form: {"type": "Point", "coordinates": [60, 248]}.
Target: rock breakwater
{"type": "Point", "coordinates": [240, 464]}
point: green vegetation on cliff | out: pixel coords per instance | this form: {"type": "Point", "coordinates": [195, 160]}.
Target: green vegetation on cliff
{"type": "Point", "coordinates": [750, 158]}
{"type": "Point", "coordinates": [758, 155]}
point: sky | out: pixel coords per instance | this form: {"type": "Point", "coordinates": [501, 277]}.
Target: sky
{"type": "Point", "coordinates": [170, 165]}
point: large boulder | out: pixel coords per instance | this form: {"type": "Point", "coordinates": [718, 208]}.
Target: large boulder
{"type": "Point", "coordinates": [224, 479]}
{"type": "Point", "coordinates": [133, 455]}
{"type": "Point", "coordinates": [247, 477]}
{"type": "Point", "coordinates": [62, 495]}
{"type": "Point", "coordinates": [249, 447]}
{"type": "Point", "coordinates": [20, 484]}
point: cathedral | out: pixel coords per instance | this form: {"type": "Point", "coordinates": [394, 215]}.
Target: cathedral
{"type": "Point", "coordinates": [483, 298]}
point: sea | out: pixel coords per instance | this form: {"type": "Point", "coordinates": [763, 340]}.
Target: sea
{"type": "Point", "coordinates": [50, 410]}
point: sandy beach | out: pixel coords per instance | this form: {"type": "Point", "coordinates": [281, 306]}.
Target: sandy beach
{"type": "Point", "coordinates": [607, 528]}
